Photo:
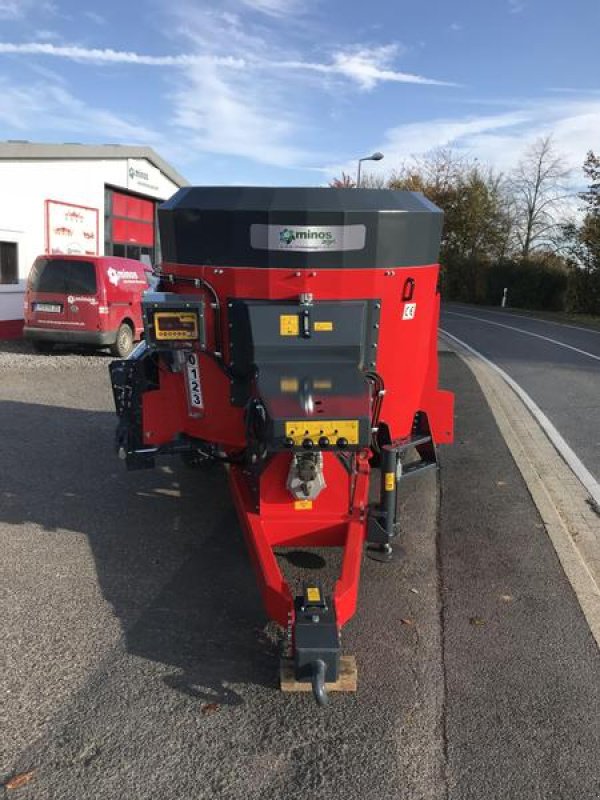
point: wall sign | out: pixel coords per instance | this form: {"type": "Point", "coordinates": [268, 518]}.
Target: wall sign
{"type": "Point", "coordinates": [142, 177]}
{"type": "Point", "coordinates": [71, 229]}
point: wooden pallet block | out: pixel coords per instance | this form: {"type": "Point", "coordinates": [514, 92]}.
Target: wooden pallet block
{"type": "Point", "coordinates": [346, 682]}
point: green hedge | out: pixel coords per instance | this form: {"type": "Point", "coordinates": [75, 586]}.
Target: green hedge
{"type": "Point", "coordinates": [530, 284]}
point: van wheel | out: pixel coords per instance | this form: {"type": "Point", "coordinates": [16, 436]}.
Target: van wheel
{"type": "Point", "coordinates": [124, 342]}
{"type": "Point", "coordinates": [42, 347]}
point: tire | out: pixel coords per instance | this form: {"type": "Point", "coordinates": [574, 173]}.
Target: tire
{"type": "Point", "coordinates": [41, 346]}
{"type": "Point", "coordinates": [124, 342]}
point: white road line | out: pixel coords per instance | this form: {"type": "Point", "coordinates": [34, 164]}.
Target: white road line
{"type": "Point", "coordinates": [580, 470]}
{"type": "Point", "coordinates": [527, 333]}
{"type": "Point", "coordinates": [510, 314]}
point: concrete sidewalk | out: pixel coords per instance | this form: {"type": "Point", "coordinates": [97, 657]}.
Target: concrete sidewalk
{"type": "Point", "coordinates": [522, 670]}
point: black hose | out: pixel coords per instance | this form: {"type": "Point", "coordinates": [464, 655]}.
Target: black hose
{"type": "Point", "coordinates": [319, 668]}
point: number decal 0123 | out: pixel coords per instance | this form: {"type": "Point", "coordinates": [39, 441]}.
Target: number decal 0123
{"type": "Point", "coordinates": [194, 384]}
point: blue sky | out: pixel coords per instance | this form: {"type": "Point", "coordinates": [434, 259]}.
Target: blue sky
{"type": "Point", "coordinates": [292, 91]}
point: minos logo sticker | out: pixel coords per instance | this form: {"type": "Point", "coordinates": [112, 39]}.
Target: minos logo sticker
{"type": "Point", "coordinates": [318, 236]}
{"type": "Point", "coordinates": [311, 238]}
{"type": "Point", "coordinates": [137, 173]}
{"type": "Point", "coordinates": [116, 275]}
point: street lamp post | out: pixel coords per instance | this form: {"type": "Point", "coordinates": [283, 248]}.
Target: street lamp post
{"type": "Point", "coordinates": [375, 157]}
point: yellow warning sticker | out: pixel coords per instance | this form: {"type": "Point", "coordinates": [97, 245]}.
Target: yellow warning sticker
{"type": "Point", "coordinates": [289, 325]}
{"type": "Point", "coordinates": [323, 326]}
{"type": "Point", "coordinates": [288, 384]}
{"type": "Point", "coordinates": [333, 429]}
{"type": "Point", "coordinates": [390, 481]}
{"type": "Point", "coordinates": [302, 505]}
{"type": "Point", "coordinates": [322, 384]}
{"type": "Point", "coordinates": [313, 595]}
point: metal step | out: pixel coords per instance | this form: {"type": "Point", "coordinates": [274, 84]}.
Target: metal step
{"type": "Point", "coordinates": [401, 445]}
{"type": "Point", "coordinates": [417, 467]}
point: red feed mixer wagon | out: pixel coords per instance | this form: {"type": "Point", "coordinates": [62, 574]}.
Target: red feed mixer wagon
{"type": "Point", "coordinates": [293, 337]}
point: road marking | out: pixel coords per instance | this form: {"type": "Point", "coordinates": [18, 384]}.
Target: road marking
{"type": "Point", "coordinates": [581, 471]}
{"type": "Point", "coordinates": [527, 333]}
{"type": "Point", "coordinates": [534, 319]}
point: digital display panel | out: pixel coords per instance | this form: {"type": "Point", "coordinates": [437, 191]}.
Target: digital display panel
{"type": "Point", "coordinates": [176, 325]}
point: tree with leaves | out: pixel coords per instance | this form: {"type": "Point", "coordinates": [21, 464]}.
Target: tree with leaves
{"type": "Point", "coordinates": [472, 197]}
{"type": "Point", "coordinates": [581, 245]}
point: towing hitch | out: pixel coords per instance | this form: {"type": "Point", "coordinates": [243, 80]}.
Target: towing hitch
{"type": "Point", "coordinates": [316, 641]}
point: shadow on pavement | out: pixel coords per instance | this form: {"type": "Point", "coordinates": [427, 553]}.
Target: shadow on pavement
{"type": "Point", "coordinates": [168, 552]}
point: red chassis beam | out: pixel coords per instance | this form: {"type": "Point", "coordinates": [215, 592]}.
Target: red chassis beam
{"type": "Point", "coordinates": [338, 519]}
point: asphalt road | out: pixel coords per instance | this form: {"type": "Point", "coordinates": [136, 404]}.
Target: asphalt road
{"type": "Point", "coordinates": [557, 365]}
{"type": "Point", "coordinates": [140, 663]}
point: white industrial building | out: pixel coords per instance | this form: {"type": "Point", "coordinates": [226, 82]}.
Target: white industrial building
{"type": "Point", "coordinates": [75, 198]}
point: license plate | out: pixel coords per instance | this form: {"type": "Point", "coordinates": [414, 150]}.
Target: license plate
{"type": "Point", "coordinates": [193, 382]}
{"type": "Point", "coordinates": [50, 308]}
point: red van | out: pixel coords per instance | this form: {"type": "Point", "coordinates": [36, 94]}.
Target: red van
{"type": "Point", "coordinates": [89, 300]}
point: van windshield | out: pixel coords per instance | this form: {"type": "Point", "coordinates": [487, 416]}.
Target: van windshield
{"type": "Point", "coordinates": [63, 276]}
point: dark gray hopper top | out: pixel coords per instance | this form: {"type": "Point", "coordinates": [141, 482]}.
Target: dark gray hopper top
{"type": "Point", "coordinates": [297, 228]}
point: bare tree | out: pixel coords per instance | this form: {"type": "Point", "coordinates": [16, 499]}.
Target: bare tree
{"type": "Point", "coordinates": [345, 182]}
{"type": "Point", "coordinates": [538, 188]}
{"type": "Point", "coordinates": [369, 180]}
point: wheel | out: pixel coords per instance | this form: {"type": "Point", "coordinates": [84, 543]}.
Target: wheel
{"type": "Point", "coordinates": [124, 342]}
{"type": "Point", "coordinates": [42, 347]}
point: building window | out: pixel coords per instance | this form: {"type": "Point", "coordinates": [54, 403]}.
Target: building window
{"type": "Point", "coordinates": [9, 266]}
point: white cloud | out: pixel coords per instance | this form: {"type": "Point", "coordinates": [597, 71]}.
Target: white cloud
{"type": "Point", "coordinates": [46, 36]}
{"type": "Point", "coordinates": [17, 9]}
{"type": "Point", "coordinates": [94, 17]}
{"type": "Point", "coordinates": [516, 6]}
{"type": "Point", "coordinates": [455, 26]}
{"type": "Point", "coordinates": [235, 120]}
{"type": "Point", "coordinates": [496, 139]}
{"type": "Point", "coordinates": [366, 67]}
{"type": "Point", "coordinates": [109, 56]}
{"type": "Point", "coordinates": [22, 108]}
{"type": "Point", "coordinates": [10, 9]}
{"type": "Point", "coordinates": [274, 8]}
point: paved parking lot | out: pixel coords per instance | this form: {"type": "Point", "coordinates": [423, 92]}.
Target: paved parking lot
{"type": "Point", "coordinates": [140, 663]}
